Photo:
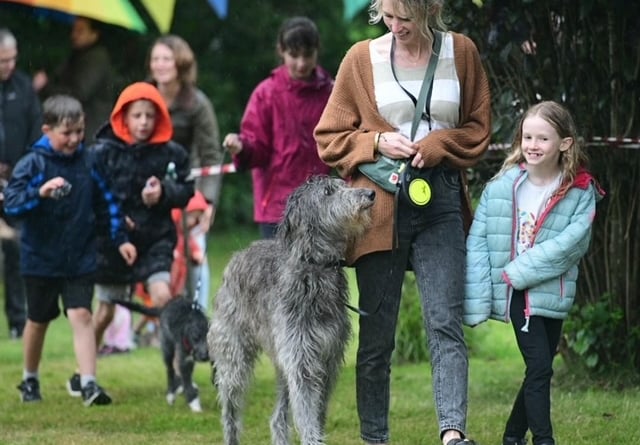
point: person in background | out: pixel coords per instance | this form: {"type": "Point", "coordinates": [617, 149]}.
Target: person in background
{"type": "Point", "coordinates": [87, 74]}
{"type": "Point", "coordinates": [370, 117]}
{"type": "Point", "coordinates": [52, 190]}
{"type": "Point", "coordinates": [530, 230]}
{"type": "Point", "coordinates": [173, 70]}
{"type": "Point", "coordinates": [118, 337]}
{"type": "Point", "coordinates": [147, 174]}
{"type": "Point", "coordinates": [187, 218]}
{"type": "Point", "coordinates": [20, 126]}
{"type": "Point", "coordinates": [276, 132]}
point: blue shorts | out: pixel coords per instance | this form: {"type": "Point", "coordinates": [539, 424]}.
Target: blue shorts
{"type": "Point", "coordinates": [43, 294]}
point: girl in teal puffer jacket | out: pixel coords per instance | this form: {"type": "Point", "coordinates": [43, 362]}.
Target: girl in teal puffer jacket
{"type": "Point", "coordinates": [530, 230]}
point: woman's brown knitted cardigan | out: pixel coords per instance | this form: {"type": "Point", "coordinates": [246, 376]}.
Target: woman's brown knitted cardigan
{"type": "Point", "coordinates": [346, 131]}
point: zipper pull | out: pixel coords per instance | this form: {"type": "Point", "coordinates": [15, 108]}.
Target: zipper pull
{"type": "Point", "coordinates": [171, 171]}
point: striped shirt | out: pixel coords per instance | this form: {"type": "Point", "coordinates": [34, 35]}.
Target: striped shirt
{"type": "Point", "coordinates": [396, 106]}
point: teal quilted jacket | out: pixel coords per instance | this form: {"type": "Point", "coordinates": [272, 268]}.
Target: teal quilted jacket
{"type": "Point", "coordinates": [547, 271]}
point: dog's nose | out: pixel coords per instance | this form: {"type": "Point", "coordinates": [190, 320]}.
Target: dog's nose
{"type": "Point", "coordinates": [371, 195]}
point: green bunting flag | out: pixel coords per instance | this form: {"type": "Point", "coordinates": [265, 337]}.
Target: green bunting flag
{"type": "Point", "coordinates": [353, 7]}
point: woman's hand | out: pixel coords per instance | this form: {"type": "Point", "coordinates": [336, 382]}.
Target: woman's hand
{"type": "Point", "coordinates": [417, 161]}
{"type": "Point", "coordinates": [396, 146]}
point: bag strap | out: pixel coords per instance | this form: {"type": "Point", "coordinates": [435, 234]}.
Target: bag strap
{"type": "Point", "coordinates": [422, 103]}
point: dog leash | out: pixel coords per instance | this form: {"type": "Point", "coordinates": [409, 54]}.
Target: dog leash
{"type": "Point", "coordinates": [364, 313]}
{"type": "Point", "coordinates": [196, 293]}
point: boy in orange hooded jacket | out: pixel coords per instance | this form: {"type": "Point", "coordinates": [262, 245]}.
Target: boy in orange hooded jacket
{"type": "Point", "coordinates": [147, 173]}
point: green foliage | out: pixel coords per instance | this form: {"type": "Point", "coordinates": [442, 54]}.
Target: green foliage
{"type": "Point", "coordinates": [595, 338]}
{"type": "Point", "coordinates": [236, 202]}
{"type": "Point", "coordinates": [411, 342]}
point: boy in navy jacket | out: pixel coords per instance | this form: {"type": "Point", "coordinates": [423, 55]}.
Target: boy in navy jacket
{"type": "Point", "coordinates": [52, 191]}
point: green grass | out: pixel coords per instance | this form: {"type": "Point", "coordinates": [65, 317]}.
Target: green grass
{"type": "Point", "coordinates": [582, 414]}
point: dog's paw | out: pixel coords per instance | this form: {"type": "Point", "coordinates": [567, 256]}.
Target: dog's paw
{"type": "Point", "coordinates": [195, 406]}
{"type": "Point", "coordinates": [171, 395]}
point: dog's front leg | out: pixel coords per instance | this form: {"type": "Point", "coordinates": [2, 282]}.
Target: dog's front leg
{"type": "Point", "coordinates": [173, 382]}
{"type": "Point", "coordinates": [186, 371]}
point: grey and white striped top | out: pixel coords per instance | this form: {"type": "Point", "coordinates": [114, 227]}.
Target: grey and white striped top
{"type": "Point", "coordinates": [394, 104]}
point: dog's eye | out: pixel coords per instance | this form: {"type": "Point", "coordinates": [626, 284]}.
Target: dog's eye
{"type": "Point", "coordinates": [328, 191]}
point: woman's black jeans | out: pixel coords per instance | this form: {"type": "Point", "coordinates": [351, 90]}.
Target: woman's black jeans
{"type": "Point", "coordinates": [432, 240]}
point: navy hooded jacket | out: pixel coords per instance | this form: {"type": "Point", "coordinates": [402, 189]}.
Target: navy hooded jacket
{"type": "Point", "coordinates": [58, 235]}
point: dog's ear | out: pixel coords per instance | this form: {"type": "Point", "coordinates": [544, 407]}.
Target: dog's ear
{"type": "Point", "coordinates": [287, 226]}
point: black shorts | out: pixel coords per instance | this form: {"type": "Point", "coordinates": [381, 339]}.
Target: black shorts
{"type": "Point", "coordinates": [43, 294]}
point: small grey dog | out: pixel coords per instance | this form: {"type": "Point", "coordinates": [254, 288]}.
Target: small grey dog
{"type": "Point", "coordinates": [183, 336]}
{"type": "Point", "coordinates": [183, 333]}
{"type": "Point", "coordinates": [287, 297]}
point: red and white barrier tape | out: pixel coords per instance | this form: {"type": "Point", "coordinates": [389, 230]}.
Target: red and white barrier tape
{"type": "Point", "coordinates": [212, 170]}
{"type": "Point", "coordinates": [595, 141]}
{"type": "Point", "coordinates": [223, 169]}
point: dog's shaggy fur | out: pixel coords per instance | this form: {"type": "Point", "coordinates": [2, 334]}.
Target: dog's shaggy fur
{"type": "Point", "coordinates": [183, 333]}
{"type": "Point", "coordinates": [288, 297]}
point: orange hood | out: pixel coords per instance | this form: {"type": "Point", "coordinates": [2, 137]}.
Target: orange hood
{"type": "Point", "coordinates": [136, 91]}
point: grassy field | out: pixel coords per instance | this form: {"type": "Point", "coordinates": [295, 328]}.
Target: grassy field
{"type": "Point", "coordinates": [139, 415]}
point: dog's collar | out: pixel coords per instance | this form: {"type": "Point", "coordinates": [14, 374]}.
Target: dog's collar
{"type": "Point", "coordinates": [334, 264]}
{"type": "Point", "coordinates": [187, 346]}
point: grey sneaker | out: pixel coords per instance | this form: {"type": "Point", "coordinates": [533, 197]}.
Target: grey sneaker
{"type": "Point", "coordinates": [93, 394]}
{"type": "Point", "coordinates": [30, 390]}
{"type": "Point", "coordinates": [73, 386]}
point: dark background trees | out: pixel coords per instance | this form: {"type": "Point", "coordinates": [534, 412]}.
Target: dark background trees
{"type": "Point", "coordinates": [588, 57]}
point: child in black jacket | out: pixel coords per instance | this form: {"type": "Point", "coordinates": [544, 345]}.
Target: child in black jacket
{"type": "Point", "coordinates": [147, 173]}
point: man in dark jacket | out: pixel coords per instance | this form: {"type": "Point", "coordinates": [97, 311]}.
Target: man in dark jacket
{"type": "Point", "coordinates": [87, 74]}
{"type": "Point", "coordinates": [20, 122]}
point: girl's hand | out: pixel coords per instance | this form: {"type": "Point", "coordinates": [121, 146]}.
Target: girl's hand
{"type": "Point", "coordinates": [197, 257]}
{"type": "Point", "coordinates": [207, 218]}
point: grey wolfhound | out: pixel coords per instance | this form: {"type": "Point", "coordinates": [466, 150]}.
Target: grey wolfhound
{"type": "Point", "coordinates": [287, 297]}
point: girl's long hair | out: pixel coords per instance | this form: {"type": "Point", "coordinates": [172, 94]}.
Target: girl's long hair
{"type": "Point", "coordinates": [571, 160]}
